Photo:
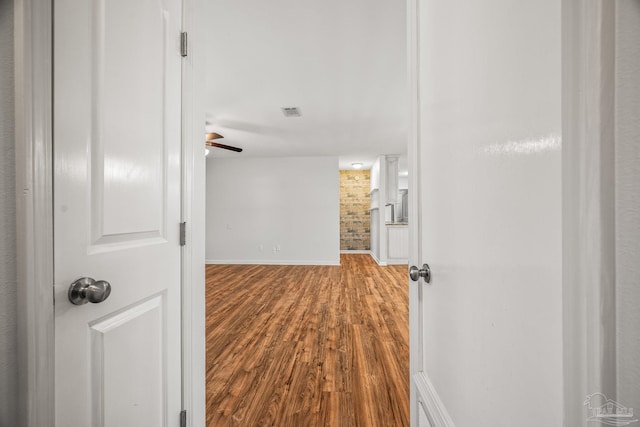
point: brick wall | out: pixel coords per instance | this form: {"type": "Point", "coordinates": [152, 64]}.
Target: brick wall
{"type": "Point", "coordinates": [354, 210]}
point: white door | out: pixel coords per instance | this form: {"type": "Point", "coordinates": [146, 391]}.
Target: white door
{"type": "Point", "coordinates": [117, 118]}
{"type": "Point", "coordinates": [486, 333]}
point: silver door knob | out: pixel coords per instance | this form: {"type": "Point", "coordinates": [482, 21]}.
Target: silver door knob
{"type": "Point", "coordinates": [416, 273]}
{"type": "Point", "coordinates": [86, 290]}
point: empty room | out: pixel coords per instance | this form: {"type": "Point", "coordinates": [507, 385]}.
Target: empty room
{"type": "Point", "coordinates": [306, 230]}
{"type": "Point", "coordinates": [335, 213]}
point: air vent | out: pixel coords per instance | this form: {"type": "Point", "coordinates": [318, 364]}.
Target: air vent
{"type": "Point", "coordinates": [291, 112]}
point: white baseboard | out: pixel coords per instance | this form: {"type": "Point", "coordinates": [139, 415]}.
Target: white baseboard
{"type": "Point", "coordinates": [375, 258]}
{"type": "Point", "coordinates": [431, 403]}
{"type": "Point", "coordinates": [355, 251]}
{"type": "Point", "coordinates": [271, 262]}
{"type": "Point", "coordinates": [397, 261]}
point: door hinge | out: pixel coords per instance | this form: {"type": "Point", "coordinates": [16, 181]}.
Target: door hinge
{"type": "Point", "coordinates": [183, 44]}
{"type": "Point", "coordinates": [183, 233]}
{"type": "Point", "coordinates": [183, 418]}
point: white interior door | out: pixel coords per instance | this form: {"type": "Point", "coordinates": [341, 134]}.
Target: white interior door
{"type": "Point", "coordinates": [117, 86]}
{"type": "Point", "coordinates": [486, 344]}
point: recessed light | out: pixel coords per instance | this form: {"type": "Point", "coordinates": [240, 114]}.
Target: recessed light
{"type": "Point", "coordinates": [206, 151]}
{"type": "Point", "coordinates": [356, 165]}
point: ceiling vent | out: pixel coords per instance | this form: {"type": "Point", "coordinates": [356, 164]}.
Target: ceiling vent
{"type": "Point", "coordinates": [291, 112]}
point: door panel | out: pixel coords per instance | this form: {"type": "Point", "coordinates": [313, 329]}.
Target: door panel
{"type": "Point", "coordinates": [129, 143]}
{"type": "Point", "coordinates": [117, 89]}
{"type": "Point", "coordinates": [124, 345]}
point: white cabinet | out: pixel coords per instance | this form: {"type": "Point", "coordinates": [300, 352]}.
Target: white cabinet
{"type": "Point", "coordinates": [398, 243]}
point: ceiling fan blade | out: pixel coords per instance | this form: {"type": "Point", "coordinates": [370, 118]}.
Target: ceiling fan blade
{"type": "Point", "coordinates": [226, 147]}
{"type": "Point", "coordinates": [213, 135]}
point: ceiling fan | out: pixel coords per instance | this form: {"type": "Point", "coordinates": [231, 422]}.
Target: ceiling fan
{"type": "Point", "coordinates": [213, 136]}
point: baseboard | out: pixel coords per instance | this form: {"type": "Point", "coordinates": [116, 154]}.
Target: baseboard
{"type": "Point", "coordinates": [375, 258]}
{"type": "Point", "coordinates": [431, 403]}
{"type": "Point", "coordinates": [271, 262]}
{"type": "Point", "coordinates": [397, 261]}
{"type": "Point", "coordinates": [356, 251]}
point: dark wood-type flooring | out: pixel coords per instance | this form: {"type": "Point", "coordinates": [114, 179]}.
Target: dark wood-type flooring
{"type": "Point", "coordinates": [308, 345]}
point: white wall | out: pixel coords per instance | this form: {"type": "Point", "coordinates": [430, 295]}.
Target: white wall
{"type": "Point", "coordinates": [8, 325]}
{"type": "Point", "coordinates": [374, 175]}
{"type": "Point", "coordinates": [256, 205]}
{"type": "Point", "coordinates": [378, 182]}
{"type": "Point", "coordinates": [627, 201]}
{"type": "Point", "coordinates": [403, 182]}
{"type": "Point", "coordinates": [375, 234]}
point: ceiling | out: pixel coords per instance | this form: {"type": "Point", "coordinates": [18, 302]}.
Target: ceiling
{"type": "Point", "coordinates": [341, 62]}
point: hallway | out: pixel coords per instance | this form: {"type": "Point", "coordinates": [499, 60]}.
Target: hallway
{"type": "Point", "coordinates": [307, 345]}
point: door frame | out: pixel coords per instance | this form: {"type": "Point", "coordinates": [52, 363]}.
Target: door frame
{"type": "Point", "coordinates": [423, 395]}
{"type": "Point", "coordinates": [415, 294]}
{"type": "Point", "coordinates": [588, 203]}
{"type": "Point", "coordinates": [34, 213]}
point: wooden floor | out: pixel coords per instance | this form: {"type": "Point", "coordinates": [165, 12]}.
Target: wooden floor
{"type": "Point", "coordinates": [308, 345]}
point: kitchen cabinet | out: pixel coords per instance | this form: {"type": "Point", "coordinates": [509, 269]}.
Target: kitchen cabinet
{"type": "Point", "coordinates": [397, 243]}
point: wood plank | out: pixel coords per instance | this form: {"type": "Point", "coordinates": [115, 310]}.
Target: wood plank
{"type": "Point", "coordinates": [308, 345]}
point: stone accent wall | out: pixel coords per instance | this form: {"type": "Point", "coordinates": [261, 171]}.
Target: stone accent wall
{"type": "Point", "coordinates": [354, 210]}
